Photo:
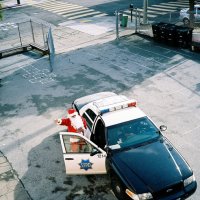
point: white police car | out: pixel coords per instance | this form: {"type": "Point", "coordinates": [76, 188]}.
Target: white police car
{"type": "Point", "coordinates": [185, 14]}
{"type": "Point", "coordinates": [126, 144]}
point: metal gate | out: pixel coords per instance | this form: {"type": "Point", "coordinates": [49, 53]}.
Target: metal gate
{"type": "Point", "coordinates": [23, 36]}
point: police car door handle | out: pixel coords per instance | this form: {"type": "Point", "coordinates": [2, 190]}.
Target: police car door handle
{"type": "Point", "coordinates": [69, 159]}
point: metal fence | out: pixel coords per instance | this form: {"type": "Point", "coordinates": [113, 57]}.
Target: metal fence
{"type": "Point", "coordinates": [135, 23]}
{"type": "Point", "coordinates": [51, 49]}
{"type": "Point", "coordinates": [17, 35]}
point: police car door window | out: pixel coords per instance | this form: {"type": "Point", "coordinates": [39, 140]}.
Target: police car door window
{"type": "Point", "coordinates": [88, 120]}
{"type": "Point", "coordinates": [91, 114]}
{"type": "Point", "coordinates": [99, 134]}
{"type": "Point", "coordinates": [76, 144]}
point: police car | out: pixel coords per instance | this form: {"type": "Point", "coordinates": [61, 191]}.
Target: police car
{"type": "Point", "coordinates": [123, 142]}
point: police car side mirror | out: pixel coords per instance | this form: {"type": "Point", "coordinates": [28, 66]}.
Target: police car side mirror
{"type": "Point", "coordinates": [108, 150]}
{"type": "Point", "coordinates": [163, 128]}
{"type": "Point", "coordinates": [94, 152]}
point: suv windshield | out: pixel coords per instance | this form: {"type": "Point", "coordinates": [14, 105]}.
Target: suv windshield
{"type": "Point", "coordinates": [133, 132]}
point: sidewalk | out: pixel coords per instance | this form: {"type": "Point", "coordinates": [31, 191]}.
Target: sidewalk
{"type": "Point", "coordinates": [12, 3]}
{"type": "Point", "coordinates": [9, 181]}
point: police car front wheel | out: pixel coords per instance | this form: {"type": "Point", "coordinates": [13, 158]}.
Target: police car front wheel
{"type": "Point", "coordinates": [118, 188]}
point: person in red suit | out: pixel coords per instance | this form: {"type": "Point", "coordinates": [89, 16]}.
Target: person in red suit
{"type": "Point", "coordinates": [76, 124]}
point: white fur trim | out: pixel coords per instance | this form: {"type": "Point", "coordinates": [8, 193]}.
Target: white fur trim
{"type": "Point", "coordinates": [74, 140]}
{"type": "Point", "coordinates": [77, 122]}
{"type": "Point", "coordinates": [70, 115]}
{"type": "Point", "coordinates": [59, 121]}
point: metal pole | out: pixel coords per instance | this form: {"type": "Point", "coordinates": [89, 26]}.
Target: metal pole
{"type": "Point", "coordinates": [117, 24]}
{"type": "Point", "coordinates": [170, 16]}
{"type": "Point", "coordinates": [145, 12]}
{"type": "Point", "coordinates": [32, 31]}
{"type": "Point", "coordinates": [131, 15]}
{"type": "Point", "coordinates": [131, 8]}
{"type": "Point", "coordinates": [19, 35]}
{"type": "Point", "coordinates": [136, 20]}
{"type": "Point", "coordinates": [43, 35]}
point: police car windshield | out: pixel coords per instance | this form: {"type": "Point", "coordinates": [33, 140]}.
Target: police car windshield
{"type": "Point", "coordinates": [133, 132]}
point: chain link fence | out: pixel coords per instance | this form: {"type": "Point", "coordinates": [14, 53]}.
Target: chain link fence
{"type": "Point", "coordinates": [135, 23]}
{"type": "Point", "coordinates": [23, 35]}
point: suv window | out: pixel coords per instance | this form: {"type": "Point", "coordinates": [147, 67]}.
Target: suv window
{"type": "Point", "coordinates": [91, 114]}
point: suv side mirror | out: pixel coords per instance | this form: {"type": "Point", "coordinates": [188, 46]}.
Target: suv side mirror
{"type": "Point", "coordinates": [163, 128]}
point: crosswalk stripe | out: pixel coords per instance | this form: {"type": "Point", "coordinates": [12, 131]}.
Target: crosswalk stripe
{"type": "Point", "coordinates": [149, 12]}
{"type": "Point", "coordinates": [152, 11]}
{"type": "Point", "coordinates": [52, 7]}
{"type": "Point", "coordinates": [165, 7]}
{"type": "Point", "coordinates": [171, 4]}
{"type": "Point", "coordinates": [148, 15]}
{"type": "Point", "coordinates": [101, 15]}
{"type": "Point", "coordinates": [84, 15]}
{"type": "Point", "coordinates": [161, 9]}
{"type": "Point", "coordinates": [80, 12]}
{"type": "Point", "coordinates": [71, 11]}
{"type": "Point", "coordinates": [68, 10]}
{"type": "Point", "coordinates": [60, 11]}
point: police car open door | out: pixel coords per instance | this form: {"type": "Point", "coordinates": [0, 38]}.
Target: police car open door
{"type": "Point", "coordinates": [82, 156]}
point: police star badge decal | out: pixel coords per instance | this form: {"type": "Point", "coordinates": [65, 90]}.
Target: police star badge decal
{"type": "Point", "coordinates": [85, 164]}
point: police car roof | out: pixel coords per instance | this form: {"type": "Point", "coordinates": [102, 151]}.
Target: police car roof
{"type": "Point", "coordinates": [122, 115]}
{"type": "Point", "coordinates": [91, 98]}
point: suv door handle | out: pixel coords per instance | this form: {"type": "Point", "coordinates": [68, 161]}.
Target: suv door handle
{"type": "Point", "coordinates": [69, 159]}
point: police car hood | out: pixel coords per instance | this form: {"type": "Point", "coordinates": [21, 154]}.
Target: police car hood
{"type": "Point", "coordinates": [153, 166]}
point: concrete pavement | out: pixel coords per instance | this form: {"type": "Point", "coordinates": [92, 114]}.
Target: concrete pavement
{"type": "Point", "coordinates": [165, 82]}
{"type": "Point", "coordinates": [9, 180]}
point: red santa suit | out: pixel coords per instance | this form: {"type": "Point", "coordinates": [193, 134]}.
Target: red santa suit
{"type": "Point", "coordinates": [75, 123]}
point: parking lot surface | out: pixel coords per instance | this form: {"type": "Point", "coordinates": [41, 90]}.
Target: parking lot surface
{"type": "Point", "coordinates": [165, 82]}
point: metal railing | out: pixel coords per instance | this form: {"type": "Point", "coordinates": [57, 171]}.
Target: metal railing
{"type": "Point", "coordinates": [136, 23]}
{"type": "Point", "coordinates": [18, 35]}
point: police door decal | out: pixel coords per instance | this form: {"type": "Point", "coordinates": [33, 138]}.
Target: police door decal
{"type": "Point", "coordinates": [85, 164]}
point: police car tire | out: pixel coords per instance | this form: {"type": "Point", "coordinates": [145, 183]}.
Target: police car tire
{"type": "Point", "coordinates": [118, 188]}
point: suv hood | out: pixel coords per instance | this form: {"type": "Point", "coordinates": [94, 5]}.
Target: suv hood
{"type": "Point", "coordinates": [151, 167]}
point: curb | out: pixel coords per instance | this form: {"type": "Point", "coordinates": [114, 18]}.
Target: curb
{"type": "Point", "coordinates": [11, 185]}
{"type": "Point", "coordinates": [7, 6]}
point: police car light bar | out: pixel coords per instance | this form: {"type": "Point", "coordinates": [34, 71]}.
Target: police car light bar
{"type": "Point", "coordinates": [119, 107]}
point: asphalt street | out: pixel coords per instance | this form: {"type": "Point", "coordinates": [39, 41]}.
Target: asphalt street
{"type": "Point", "coordinates": [164, 80]}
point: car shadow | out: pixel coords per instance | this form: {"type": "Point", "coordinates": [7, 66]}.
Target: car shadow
{"type": "Point", "coordinates": [46, 177]}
